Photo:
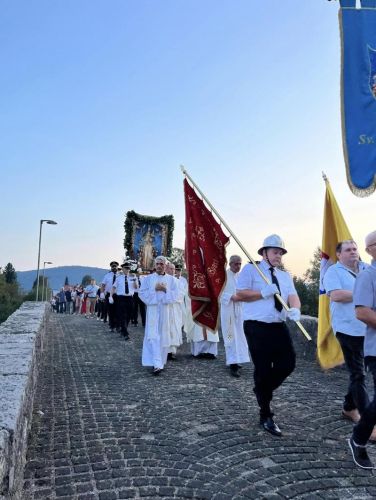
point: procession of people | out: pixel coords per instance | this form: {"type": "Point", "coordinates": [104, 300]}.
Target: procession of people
{"type": "Point", "coordinates": [252, 322]}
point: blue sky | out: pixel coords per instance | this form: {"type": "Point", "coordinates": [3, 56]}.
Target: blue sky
{"type": "Point", "coordinates": [102, 101]}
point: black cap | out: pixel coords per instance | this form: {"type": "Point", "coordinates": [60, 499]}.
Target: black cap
{"type": "Point", "coordinates": [114, 263]}
{"type": "Point", "coordinates": [178, 267]}
{"type": "Point", "coordinates": [126, 265]}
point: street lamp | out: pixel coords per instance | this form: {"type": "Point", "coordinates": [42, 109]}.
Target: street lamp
{"type": "Point", "coordinates": [40, 239]}
{"type": "Point", "coordinates": [44, 287]}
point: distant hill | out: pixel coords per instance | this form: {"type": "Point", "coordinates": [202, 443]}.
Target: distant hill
{"type": "Point", "coordinates": [56, 276]}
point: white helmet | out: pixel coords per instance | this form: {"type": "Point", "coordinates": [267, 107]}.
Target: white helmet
{"type": "Point", "coordinates": [273, 241]}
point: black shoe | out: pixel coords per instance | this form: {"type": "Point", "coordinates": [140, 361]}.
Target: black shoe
{"type": "Point", "coordinates": [270, 426]}
{"type": "Point", "coordinates": [157, 371]}
{"type": "Point", "coordinates": [171, 356]}
{"type": "Point", "coordinates": [208, 355]}
{"type": "Point", "coordinates": [234, 370]}
{"type": "Point", "coordinates": [360, 455]}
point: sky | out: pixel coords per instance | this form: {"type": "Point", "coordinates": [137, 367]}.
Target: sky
{"type": "Point", "coordinates": [102, 101]}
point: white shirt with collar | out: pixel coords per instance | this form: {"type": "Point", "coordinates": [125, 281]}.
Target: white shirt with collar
{"type": "Point", "coordinates": [120, 284]}
{"type": "Point", "coordinates": [264, 309]}
{"type": "Point", "coordinates": [108, 280]}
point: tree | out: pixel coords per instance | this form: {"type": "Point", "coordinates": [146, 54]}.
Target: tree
{"type": "Point", "coordinates": [10, 273]}
{"type": "Point", "coordinates": [177, 256]}
{"type": "Point", "coordinates": [86, 280]}
{"type": "Point", "coordinates": [66, 282]}
{"type": "Point", "coordinates": [308, 287]}
{"type": "Point", "coordinates": [32, 295]}
{"type": "Point", "coordinates": [10, 295]}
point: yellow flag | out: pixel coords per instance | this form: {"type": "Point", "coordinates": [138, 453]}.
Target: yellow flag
{"type": "Point", "coordinates": [334, 230]}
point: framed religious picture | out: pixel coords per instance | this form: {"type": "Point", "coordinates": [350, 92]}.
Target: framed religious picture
{"type": "Point", "coordinates": [146, 237]}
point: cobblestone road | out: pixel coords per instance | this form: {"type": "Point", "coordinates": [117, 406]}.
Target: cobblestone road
{"type": "Point", "coordinates": [105, 428]}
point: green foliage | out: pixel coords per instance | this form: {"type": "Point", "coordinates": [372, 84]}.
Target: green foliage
{"type": "Point", "coordinates": [10, 296]}
{"type": "Point", "coordinates": [10, 273]}
{"type": "Point", "coordinates": [32, 295]}
{"type": "Point", "coordinates": [86, 280]}
{"type": "Point", "coordinates": [177, 256]}
{"type": "Point", "coordinates": [308, 286]}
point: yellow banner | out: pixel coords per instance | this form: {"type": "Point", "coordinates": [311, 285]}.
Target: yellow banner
{"type": "Point", "coordinates": [334, 230]}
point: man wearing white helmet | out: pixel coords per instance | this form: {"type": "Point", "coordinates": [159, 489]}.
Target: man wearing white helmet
{"type": "Point", "coordinates": [267, 335]}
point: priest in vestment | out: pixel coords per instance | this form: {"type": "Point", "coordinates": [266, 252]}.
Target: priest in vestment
{"type": "Point", "coordinates": [158, 291]}
{"type": "Point", "coordinates": [176, 317]}
{"type": "Point", "coordinates": [183, 285]}
{"type": "Point", "coordinates": [204, 342]}
{"type": "Point", "coordinates": [234, 340]}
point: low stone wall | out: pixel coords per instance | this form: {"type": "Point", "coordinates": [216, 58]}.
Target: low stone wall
{"type": "Point", "coordinates": [304, 348]}
{"type": "Point", "coordinates": [21, 346]}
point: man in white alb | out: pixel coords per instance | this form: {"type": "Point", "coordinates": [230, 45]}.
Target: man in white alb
{"type": "Point", "coordinates": [234, 340]}
{"type": "Point", "coordinates": [176, 317]}
{"type": "Point", "coordinates": [158, 291]}
{"type": "Point", "coordinates": [183, 285]}
{"type": "Point", "coordinates": [204, 342]}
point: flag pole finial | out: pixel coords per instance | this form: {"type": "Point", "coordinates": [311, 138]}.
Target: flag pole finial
{"type": "Point", "coordinates": [324, 176]}
{"type": "Point", "coordinates": [183, 169]}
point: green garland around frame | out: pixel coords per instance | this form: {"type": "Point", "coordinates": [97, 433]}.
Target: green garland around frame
{"type": "Point", "coordinates": [132, 216]}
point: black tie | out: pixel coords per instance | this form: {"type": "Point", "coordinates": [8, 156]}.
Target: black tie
{"type": "Point", "coordinates": [277, 303]}
{"type": "Point", "coordinates": [126, 285]}
{"type": "Point", "coordinates": [114, 278]}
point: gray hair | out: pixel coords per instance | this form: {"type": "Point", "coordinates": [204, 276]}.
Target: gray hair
{"type": "Point", "coordinates": [370, 238]}
{"type": "Point", "coordinates": [234, 257]}
{"type": "Point", "coordinates": [161, 258]}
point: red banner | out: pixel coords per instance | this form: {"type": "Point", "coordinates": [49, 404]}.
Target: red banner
{"type": "Point", "coordinates": [205, 255]}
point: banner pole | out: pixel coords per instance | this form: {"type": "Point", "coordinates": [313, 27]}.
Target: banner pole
{"type": "Point", "coordinates": [249, 257]}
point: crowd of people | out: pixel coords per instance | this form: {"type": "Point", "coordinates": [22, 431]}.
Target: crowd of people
{"type": "Point", "coordinates": [253, 323]}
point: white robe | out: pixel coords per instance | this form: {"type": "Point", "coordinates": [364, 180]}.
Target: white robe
{"type": "Point", "coordinates": [201, 342]}
{"type": "Point", "coordinates": [234, 340]}
{"type": "Point", "coordinates": [183, 285]}
{"type": "Point", "coordinates": [176, 319]}
{"type": "Point", "coordinates": [157, 329]}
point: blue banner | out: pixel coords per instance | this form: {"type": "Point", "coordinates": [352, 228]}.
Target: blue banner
{"type": "Point", "coordinates": [358, 82]}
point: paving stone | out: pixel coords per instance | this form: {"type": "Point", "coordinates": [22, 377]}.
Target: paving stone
{"type": "Point", "coordinates": [110, 430]}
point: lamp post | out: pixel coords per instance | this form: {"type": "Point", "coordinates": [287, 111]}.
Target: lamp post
{"type": "Point", "coordinates": [43, 285]}
{"type": "Point", "coordinates": [40, 239]}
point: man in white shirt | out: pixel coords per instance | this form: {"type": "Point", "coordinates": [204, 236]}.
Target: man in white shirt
{"type": "Point", "coordinates": [124, 287]}
{"type": "Point", "coordinates": [110, 308]}
{"type": "Point", "coordinates": [339, 281]}
{"type": "Point", "coordinates": [265, 329]}
{"type": "Point", "coordinates": [158, 291]}
{"type": "Point", "coordinates": [91, 300]}
{"type": "Point", "coordinates": [234, 340]}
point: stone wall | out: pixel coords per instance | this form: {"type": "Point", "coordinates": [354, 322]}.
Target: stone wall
{"type": "Point", "coordinates": [21, 346]}
{"type": "Point", "coordinates": [304, 348]}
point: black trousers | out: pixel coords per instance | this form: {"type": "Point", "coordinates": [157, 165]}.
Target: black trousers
{"type": "Point", "coordinates": [364, 428]}
{"type": "Point", "coordinates": [101, 308]}
{"type": "Point", "coordinates": [352, 348]}
{"type": "Point", "coordinates": [138, 305]}
{"type": "Point", "coordinates": [111, 311]}
{"type": "Point", "coordinates": [124, 308]}
{"type": "Point", "coordinates": [273, 356]}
